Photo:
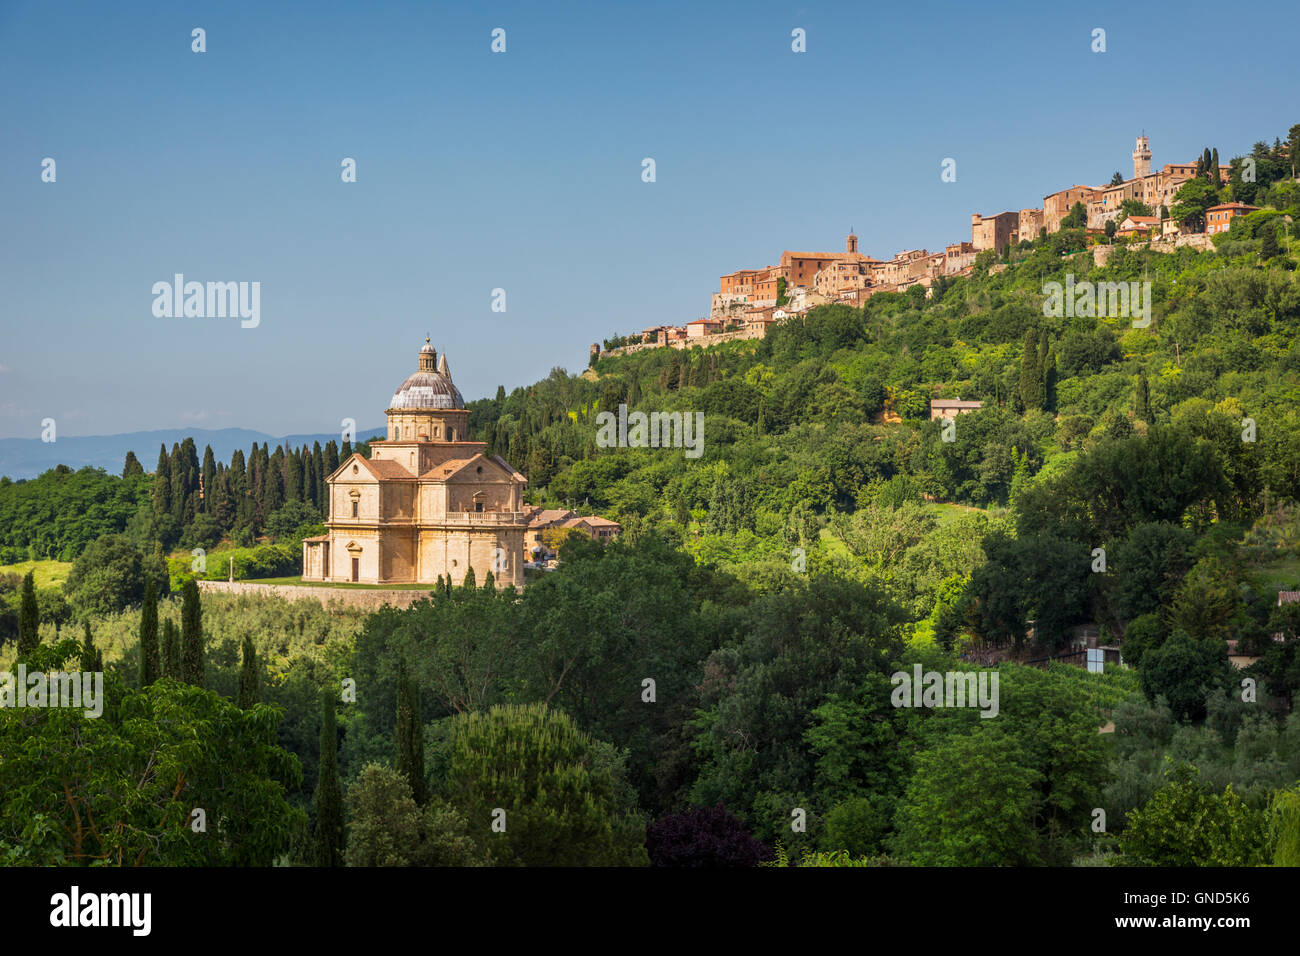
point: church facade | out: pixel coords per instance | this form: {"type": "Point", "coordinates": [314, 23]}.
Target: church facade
{"type": "Point", "coordinates": [428, 503]}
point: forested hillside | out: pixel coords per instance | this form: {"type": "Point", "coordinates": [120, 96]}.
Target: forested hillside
{"type": "Point", "coordinates": [717, 686]}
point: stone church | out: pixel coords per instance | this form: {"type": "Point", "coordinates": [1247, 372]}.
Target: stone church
{"type": "Point", "coordinates": [427, 503]}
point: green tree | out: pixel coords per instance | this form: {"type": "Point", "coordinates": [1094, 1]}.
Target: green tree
{"type": "Point", "coordinates": [1142, 398]}
{"type": "Point", "coordinates": [1191, 201]}
{"type": "Point", "coordinates": [1268, 244]}
{"type": "Point", "coordinates": [328, 799]}
{"type": "Point", "coordinates": [132, 467]}
{"type": "Point", "coordinates": [249, 692]}
{"type": "Point", "coordinates": [91, 659]}
{"type": "Point", "coordinates": [1184, 672]}
{"type": "Point", "coordinates": [387, 828]}
{"type": "Point", "coordinates": [162, 484]}
{"type": "Point", "coordinates": [1076, 218]}
{"type": "Point", "coordinates": [29, 620]}
{"type": "Point", "coordinates": [191, 635]}
{"type": "Point", "coordinates": [564, 796]}
{"type": "Point", "coordinates": [1186, 824]}
{"type": "Point", "coordinates": [410, 734]}
{"type": "Point", "coordinates": [170, 647]}
{"type": "Point", "coordinates": [149, 636]}
{"type": "Point", "coordinates": [125, 794]}
{"type": "Point", "coordinates": [1033, 391]}
{"type": "Point", "coordinates": [108, 577]}
{"type": "Point", "coordinates": [971, 802]}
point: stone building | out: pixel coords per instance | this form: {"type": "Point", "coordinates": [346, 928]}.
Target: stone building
{"type": "Point", "coordinates": [1031, 222]}
{"type": "Point", "coordinates": [1058, 205]}
{"type": "Point", "coordinates": [994, 232]}
{"type": "Point", "coordinates": [428, 503]}
{"type": "Point", "coordinates": [952, 407]}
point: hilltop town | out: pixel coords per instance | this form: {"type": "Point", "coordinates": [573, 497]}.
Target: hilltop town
{"type": "Point", "coordinates": [749, 301]}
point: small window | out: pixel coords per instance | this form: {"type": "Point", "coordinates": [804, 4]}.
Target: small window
{"type": "Point", "coordinates": [397, 433]}
{"type": "Point", "coordinates": [354, 509]}
{"type": "Point", "coordinates": [478, 506]}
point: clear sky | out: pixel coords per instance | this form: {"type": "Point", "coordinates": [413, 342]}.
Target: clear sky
{"type": "Point", "coordinates": [522, 171]}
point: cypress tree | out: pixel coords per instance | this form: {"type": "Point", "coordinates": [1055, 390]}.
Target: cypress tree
{"type": "Point", "coordinates": [209, 480]}
{"type": "Point", "coordinates": [292, 477]}
{"type": "Point", "coordinates": [132, 467]}
{"type": "Point", "coordinates": [1047, 370]}
{"type": "Point", "coordinates": [29, 616]}
{"type": "Point", "coordinates": [1268, 244]}
{"type": "Point", "coordinates": [410, 733]}
{"type": "Point", "coordinates": [171, 650]}
{"type": "Point", "coordinates": [1031, 374]}
{"type": "Point", "coordinates": [249, 691]}
{"type": "Point", "coordinates": [191, 635]}
{"type": "Point", "coordinates": [149, 634]}
{"type": "Point", "coordinates": [87, 648]}
{"type": "Point", "coordinates": [329, 791]}
{"type": "Point", "coordinates": [1142, 398]}
{"type": "Point", "coordinates": [1214, 165]}
{"type": "Point", "coordinates": [162, 484]}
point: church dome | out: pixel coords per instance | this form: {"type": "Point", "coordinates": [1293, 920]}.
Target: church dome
{"type": "Point", "coordinates": [428, 388]}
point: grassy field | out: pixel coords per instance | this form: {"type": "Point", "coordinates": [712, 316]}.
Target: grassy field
{"type": "Point", "coordinates": [1281, 575]}
{"type": "Point", "coordinates": [47, 573]}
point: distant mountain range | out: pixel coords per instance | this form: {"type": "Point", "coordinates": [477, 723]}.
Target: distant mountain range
{"type": "Point", "coordinates": [28, 457]}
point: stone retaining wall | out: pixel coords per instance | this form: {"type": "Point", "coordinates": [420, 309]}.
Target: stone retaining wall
{"type": "Point", "coordinates": [370, 599]}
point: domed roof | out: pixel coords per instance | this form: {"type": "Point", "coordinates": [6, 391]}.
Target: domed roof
{"type": "Point", "coordinates": [428, 388]}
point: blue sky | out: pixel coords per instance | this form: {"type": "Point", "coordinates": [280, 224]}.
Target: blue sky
{"type": "Point", "coordinates": [522, 171]}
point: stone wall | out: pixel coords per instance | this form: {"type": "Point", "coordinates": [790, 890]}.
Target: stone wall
{"type": "Point", "coordinates": [1199, 241]}
{"type": "Point", "coordinates": [370, 599]}
{"type": "Point", "coordinates": [703, 341]}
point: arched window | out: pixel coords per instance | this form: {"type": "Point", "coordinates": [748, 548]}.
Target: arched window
{"type": "Point", "coordinates": [397, 433]}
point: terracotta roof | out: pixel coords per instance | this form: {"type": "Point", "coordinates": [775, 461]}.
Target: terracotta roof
{"type": "Point", "coordinates": [1288, 597]}
{"type": "Point", "coordinates": [593, 521]}
{"type": "Point", "coordinates": [447, 468]}
{"type": "Point", "coordinates": [319, 537]}
{"type": "Point", "coordinates": [385, 469]}
{"type": "Point", "coordinates": [548, 516]}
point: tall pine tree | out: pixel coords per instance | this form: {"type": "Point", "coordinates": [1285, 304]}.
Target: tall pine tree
{"type": "Point", "coordinates": [1031, 374]}
{"type": "Point", "coordinates": [162, 484]}
{"type": "Point", "coordinates": [87, 648]}
{"type": "Point", "coordinates": [191, 635]}
{"type": "Point", "coordinates": [149, 634]}
{"type": "Point", "coordinates": [329, 791]}
{"type": "Point", "coordinates": [1142, 399]}
{"type": "Point", "coordinates": [29, 616]}
{"type": "Point", "coordinates": [171, 650]}
{"type": "Point", "coordinates": [410, 733]}
{"type": "Point", "coordinates": [249, 691]}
